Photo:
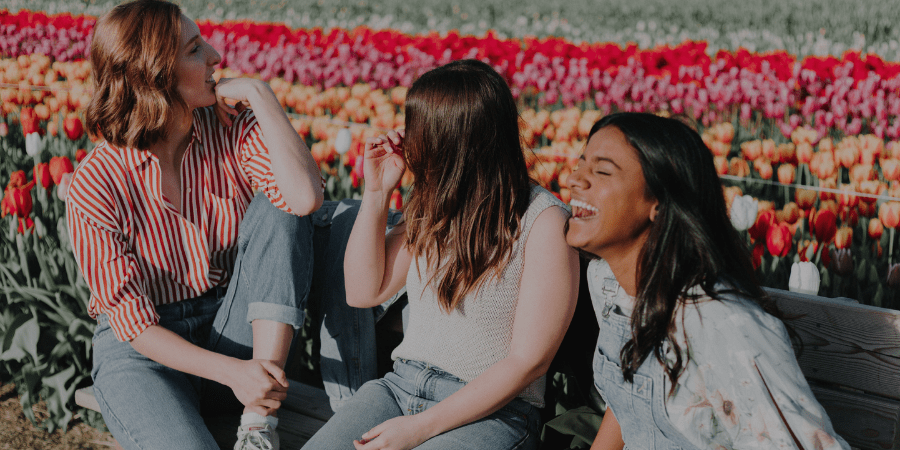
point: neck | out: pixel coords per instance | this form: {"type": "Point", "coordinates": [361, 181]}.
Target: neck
{"type": "Point", "coordinates": [624, 265]}
{"type": "Point", "coordinates": [178, 136]}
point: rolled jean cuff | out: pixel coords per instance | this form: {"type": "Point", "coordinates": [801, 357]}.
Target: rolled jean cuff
{"type": "Point", "coordinates": [278, 313]}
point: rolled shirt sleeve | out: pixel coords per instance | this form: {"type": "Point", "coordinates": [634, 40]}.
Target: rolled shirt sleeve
{"type": "Point", "coordinates": [254, 157]}
{"type": "Point", "coordinates": [110, 270]}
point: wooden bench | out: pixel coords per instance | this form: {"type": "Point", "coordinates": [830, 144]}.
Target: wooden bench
{"type": "Point", "coordinates": [851, 358]}
{"type": "Point", "coordinates": [301, 415]}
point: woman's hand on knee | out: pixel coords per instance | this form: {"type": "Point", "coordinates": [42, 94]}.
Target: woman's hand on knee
{"type": "Point", "coordinates": [260, 385]}
{"type": "Point", "coordinates": [399, 433]}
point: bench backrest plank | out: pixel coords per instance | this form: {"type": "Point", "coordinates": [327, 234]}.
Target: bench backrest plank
{"type": "Point", "coordinates": [851, 358]}
{"type": "Point", "coordinates": [846, 344]}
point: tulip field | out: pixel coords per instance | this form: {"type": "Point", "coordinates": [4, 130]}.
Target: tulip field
{"type": "Point", "coordinates": [805, 137]}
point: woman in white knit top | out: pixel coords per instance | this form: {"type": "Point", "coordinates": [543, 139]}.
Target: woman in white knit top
{"type": "Point", "coordinates": [491, 282]}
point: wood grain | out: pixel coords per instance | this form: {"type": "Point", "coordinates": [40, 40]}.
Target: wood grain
{"type": "Point", "coordinates": [864, 421]}
{"type": "Point", "coordinates": [846, 344]}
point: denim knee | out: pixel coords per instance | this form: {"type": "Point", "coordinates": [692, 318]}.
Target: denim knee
{"type": "Point", "coordinates": [274, 265]}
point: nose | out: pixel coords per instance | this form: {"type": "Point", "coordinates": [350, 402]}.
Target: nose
{"type": "Point", "coordinates": [214, 58]}
{"type": "Point", "coordinates": [576, 179]}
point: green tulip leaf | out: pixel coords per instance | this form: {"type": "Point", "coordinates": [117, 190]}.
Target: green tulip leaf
{"type": "Point", "coordinates": [21, 339]}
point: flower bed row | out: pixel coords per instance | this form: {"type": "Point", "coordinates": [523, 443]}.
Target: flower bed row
{"type": "Point", "coordinates": [855, 93]}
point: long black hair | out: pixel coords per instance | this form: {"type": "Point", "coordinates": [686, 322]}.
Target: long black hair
{"type": "Point", "coordinates": [691, 241]}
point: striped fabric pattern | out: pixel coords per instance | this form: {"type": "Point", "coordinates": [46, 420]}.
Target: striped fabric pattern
{"type": "Point", "coordinates": [134, 249]}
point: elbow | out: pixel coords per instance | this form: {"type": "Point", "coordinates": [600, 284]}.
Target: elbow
{"type": "Point", "coordinates": [308, 204]}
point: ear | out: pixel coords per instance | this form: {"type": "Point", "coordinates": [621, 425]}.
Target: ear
{"type": "Point", "coordinates": [654, 211]}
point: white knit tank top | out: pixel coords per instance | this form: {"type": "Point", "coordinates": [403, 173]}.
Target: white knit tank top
{"type": "Point", "coordinates": [478, 333]}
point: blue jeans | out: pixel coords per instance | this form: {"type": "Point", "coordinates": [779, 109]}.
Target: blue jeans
{"type": "Point", "coordinates": [150, 406]}
{"type": "Point", "coordinates": [412, 388]}
{"type": "Point", "coordinates": [347, 334]}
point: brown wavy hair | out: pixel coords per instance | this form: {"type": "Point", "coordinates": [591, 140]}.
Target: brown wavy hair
{"type": "Point", "coordinates": [471, 184]}
{"type": "Point", "coordinates": [134, 52]}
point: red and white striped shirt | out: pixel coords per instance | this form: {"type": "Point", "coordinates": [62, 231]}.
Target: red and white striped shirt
{"type": "Point", "coordinates": [135, 249]}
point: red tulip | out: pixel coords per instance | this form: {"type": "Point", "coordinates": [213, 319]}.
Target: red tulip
{"type": "Point", "coordinates": [72, 126]}
{"type": "Point", "coordinates": [60, 165]}
{"type": "Point", "coordinates": [396, 200]}
{"type": "Point", "coordinates": [25, 224]}
{"type": "Point", "coordinates": [825, 226]}
{"type": "Point", "coordinates": [80, 154]}
{"type": "Point", "coordinates": [30, 121]}
{"type": "Point", "coordinates": [18, 201]}
{"type": "Point", "coordinates": [42, 175]}
{"type": "Point", "coordinates": [842, 261]}
{"type": "Point", "coordinates": [778, 239]}
{"type": "Point", "coordinates": [807, 251]}
{"type": "Point", "coordinates": [758, 251]}
{"type": "Point", "coordinates": [763, 221]}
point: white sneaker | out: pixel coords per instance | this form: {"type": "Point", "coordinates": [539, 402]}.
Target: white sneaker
{"type": "Point", "coordinates": [256, 436]}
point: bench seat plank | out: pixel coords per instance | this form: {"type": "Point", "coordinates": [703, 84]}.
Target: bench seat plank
{"type": "Point", "coordinates": [305, 410]}
{"type": "Point", "coordinates": [864, 421]}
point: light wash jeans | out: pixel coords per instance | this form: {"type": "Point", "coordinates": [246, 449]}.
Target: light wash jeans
{"type": "Point", "coordinates": [347, 334]}
{"type": "Point", "coordinates": [413, 387]}
{"type": "Point", "coordinates": [149, 406]}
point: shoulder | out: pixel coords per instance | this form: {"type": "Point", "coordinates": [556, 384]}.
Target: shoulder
{"type": "Point", "coordinates": [733, 325]}
{"type": "Point", "coordinates": [542, 199]}
{"type": "Point", "coordinates": [98, 181]}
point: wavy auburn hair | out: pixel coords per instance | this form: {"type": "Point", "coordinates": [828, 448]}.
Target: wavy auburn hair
{"type": "Point", "coordinates": [471, 184]}
{"type": "Point", "coordinates": [691, 242]}
{"type": "Point", "coordinates": [134, 52]}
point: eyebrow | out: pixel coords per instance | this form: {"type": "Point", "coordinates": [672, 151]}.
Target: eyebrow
{"type": "Point", "coordinates": [598, 159]}
{"type": "Point", "coordinates": [196, 37]}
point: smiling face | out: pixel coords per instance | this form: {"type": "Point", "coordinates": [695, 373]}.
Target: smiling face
{"type": "Point", "coordinates": [611, 211]}
{"type": "Point", "coordinates": [195, 66]}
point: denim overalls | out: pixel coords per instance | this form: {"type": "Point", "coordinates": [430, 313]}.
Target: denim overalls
{"type": "Point", "coordinates": [639, 406]}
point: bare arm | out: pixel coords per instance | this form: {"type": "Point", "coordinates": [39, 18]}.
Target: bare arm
{"type": "Point", "coordinates": [548, 292]}
{"type": "Point", "coordinates": [609, 436]}
{"type": "Point", "coordinates": [260, 385]}
{"type": "Point", "coordinates": [379, 263]}
{"type": "Point", "coordinates": [293, 167]}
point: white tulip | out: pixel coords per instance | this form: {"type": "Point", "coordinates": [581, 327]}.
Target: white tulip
{"type": "Point", "coordinates": [743, 212]}
{"type": "Point", "coordinates": [33, 144]}
{"type": "Point", "coordinates": [804, 278]}
{"type": "Point", "coordinates": [63, 189]}
{"type": "Point", "coordinates": [343, 140]}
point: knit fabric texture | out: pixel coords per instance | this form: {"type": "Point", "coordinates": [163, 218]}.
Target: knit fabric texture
{"type": "Point", "coordinates": [478, 333]}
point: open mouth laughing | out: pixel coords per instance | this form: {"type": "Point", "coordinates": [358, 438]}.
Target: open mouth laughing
{"type": "Point", "coordinates": [582, 210]}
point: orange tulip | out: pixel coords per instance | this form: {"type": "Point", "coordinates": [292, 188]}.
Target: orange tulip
{"type": "Point", "coordinates": [890, 169]}
{"type": "Point", "coordinates": [751, 150]}
{"type": "Point", "coordinates": [889, 213]}
{"type": "Point", "coordinates": [739, 167]}
{"type": "Point", "coordinates": [769, 150]}
{"type": "Point", "coordinates": [807, 250]}
{"type": "Point", "coordinates": [861, 172]}
{"type": "Point", "coordinates": [844, 237]}
{"type": "Point", "coordinates": [804, 152]}
{"type": "Point", "coordinates": [875, 229]}
{"type": "Point", "coordinates": [848, 196]}
{"type": "Point", "coordinates": [721, 164]}
{"type": "Point", "coordinates": [791, 213]}
{"type": "Point", "coordinates": [786, 173]}
{"type": "Point", "coordinates": [764, 168]}
{"type": "Point", "coordinates": [805, 198]}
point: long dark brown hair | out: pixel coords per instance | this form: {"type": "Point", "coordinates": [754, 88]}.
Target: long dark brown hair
{"type": "Point", "coordinates": [691, 241]}
{"type": "Point", "coordinates": [471, 184]}
{"type": "Point", "coordinates": [134, 52]}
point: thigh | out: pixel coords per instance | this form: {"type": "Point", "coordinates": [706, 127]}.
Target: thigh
{"type": "Point", "coordinates": [372, 404]}
{"type": "Point", "coordinates": [507, 429]}
{"type": "Point", "coordinates": [145, 404]}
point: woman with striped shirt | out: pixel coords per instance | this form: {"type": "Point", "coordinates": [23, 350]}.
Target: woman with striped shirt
{"type": "Point", "coordinates": [197, 291]}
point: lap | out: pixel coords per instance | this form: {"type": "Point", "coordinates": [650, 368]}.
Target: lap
{"type": "Point", "coordinates": [145, 404]}
{"type": "Point", "coordinates": [372, 404]}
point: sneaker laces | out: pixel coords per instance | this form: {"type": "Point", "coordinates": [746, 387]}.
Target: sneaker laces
{"type": "Point", "coordinates": [255, 437]}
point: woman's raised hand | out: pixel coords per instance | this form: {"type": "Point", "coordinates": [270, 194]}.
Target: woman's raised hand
{"type": "Point", "coordinates": [384, 163]}
{"type": "Point", "coordinates": [239, 91]}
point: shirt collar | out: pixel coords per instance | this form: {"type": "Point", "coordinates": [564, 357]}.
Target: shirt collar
{"type": "Point", "coordinates": [136, 158]}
